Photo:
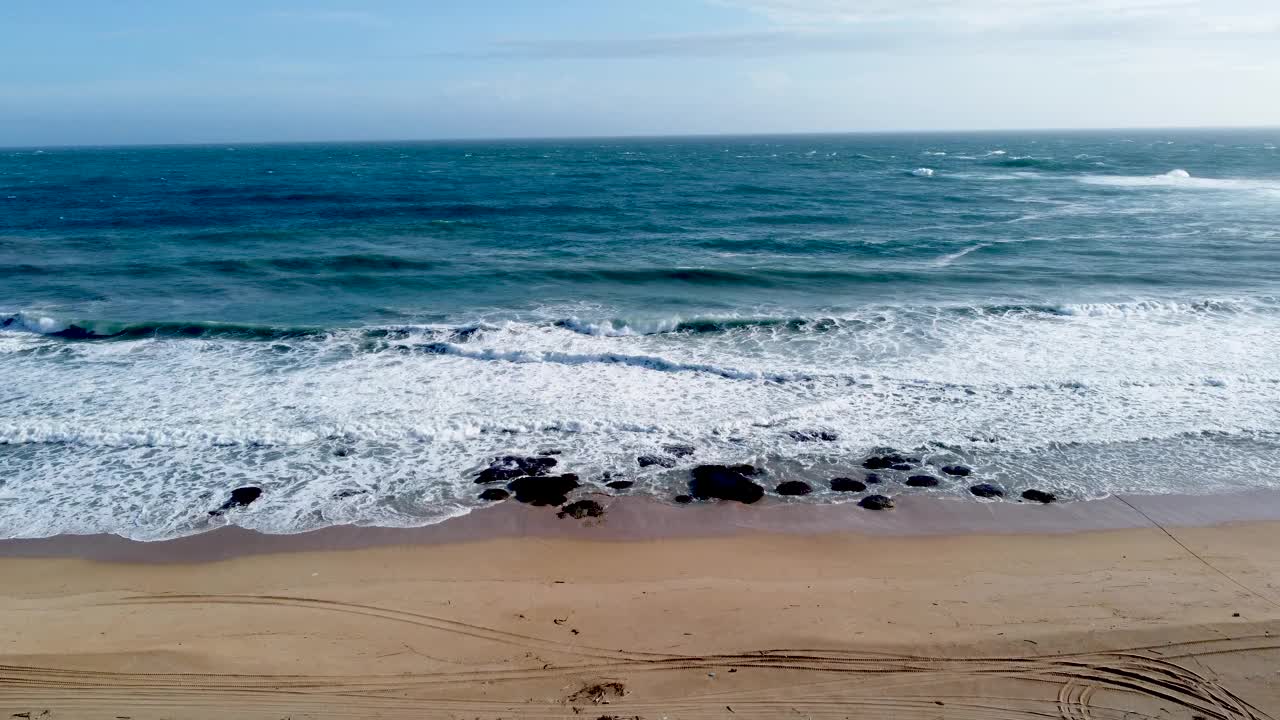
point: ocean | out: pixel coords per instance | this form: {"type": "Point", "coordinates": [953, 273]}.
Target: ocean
{"type": "Point", "coordinates": [360, 329]}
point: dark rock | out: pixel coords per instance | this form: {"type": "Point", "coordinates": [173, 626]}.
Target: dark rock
{"type": "Point", "coordinates": [725, 482]}
{"type": "Point", "coordinates": [684, 499]}
{"type": "Point", "coordinates": [343, 452]}
{"type": "Point", "coordinates": [848, 485]}
{"type": "Point", "coordinates": [341, 494]}
{"type": "Point", "coordinates": [886, 461]}
{"type": "Point", "coordinates": [543, 489]}
{"type": "Point", "coordinates": [986, 490]}
{"type": "Point", "coordinates": [650, 460]}
{"type": "Point", "coordinates": [812, 436]}
{"type": "Point", "coordinates": [794, 487]}
{"type": "Point", "coordinates": [240, 497]}
{"type": "Point", "coordinates": [922, 481]}
{"type": "Point", "coordinates": [1039, 496]}
{"type": "Point", "coordinates": [957, 470]}
{"type": "Point", "coordinates": [901, 466]}
{"type": "Point", "coordinates": [679, 451]}
{"type": "Point", "coordinates": [510, 467]}
{"type": "Point", "coordinates": [75, 332]}
{"type": "Point", "coordinates": [495, 495]}
{"type": "Point", "coordinates": [549, 453]}
{"type": "Point", "coordinates": [876, 502]}
{"type": "Point", "coordinates": [620, 484]}
{"type": "Point", "coordinates": [872, 479]}
{"type": "Point", "coordinates": [581, 509]}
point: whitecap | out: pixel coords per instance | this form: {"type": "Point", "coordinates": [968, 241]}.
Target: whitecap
{"type": "Point", "coordinates": [946, 260]}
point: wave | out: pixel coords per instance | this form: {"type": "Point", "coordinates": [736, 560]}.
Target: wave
{"type": "Point", "coordinates": [946, 260]}
{"type": "Point", "coordinates": [106, 330]}
{"type": "Point", "coordinates": [692, 326]}
{"type": "Point", "coordinates": [51, 326]}
{"type": "Point", "coordinates": [647, 362]}
{"type": "Point", "coordinates": [923, 172]}
{"type": "Point", "coordinates": [364, 262]}
{"type": "Point", "coordinates": [1182, 179]}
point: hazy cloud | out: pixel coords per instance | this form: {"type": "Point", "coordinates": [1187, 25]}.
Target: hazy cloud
{"type": "Point", "coordinates": [1245, 15]}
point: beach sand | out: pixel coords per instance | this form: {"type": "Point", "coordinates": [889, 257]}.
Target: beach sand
{"type": "Point", "coordinates": [718, 614]}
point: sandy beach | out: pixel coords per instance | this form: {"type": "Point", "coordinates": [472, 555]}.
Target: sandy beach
{"type": "Point", "coordinates": [657, 612]}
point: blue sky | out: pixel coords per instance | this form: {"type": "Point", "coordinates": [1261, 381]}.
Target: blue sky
{"type": "Point", "coordinates": [141, 71]}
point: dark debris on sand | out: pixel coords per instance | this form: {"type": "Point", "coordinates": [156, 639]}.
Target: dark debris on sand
{"type": "Point", "coordinates": [581, 509]}
{"type": "Point", "coordinates": [599, 693]}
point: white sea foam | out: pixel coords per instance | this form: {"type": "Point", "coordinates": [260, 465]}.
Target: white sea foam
{"type": "Point", "coordinates": [1182, 179]}
{"type": "Point", "coordinates": [143, 437]}
{"type": "Point", "coordinates": [923, 172]}
{"type": "Point", "coordinates": [946, 260]}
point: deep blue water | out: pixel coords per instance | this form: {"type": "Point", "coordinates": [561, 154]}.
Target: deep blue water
{"type": "Point", "coordinates": [1096, 312]}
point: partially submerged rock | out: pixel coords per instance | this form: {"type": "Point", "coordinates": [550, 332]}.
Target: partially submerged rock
{"type": "Point", "coordinates": [844, 484]}
{"type": "Point", "coordinates": [958, 470]}
{"type": "Point", "coordinates": [581, 509]}
{"type": "Point", "coordinates": [679, 451]}
{"type": "Point", "coordinates": [544, 490]}
{"type": "Point", "coordinates": [813, 436]}
{"type": "Point", "coordinates": [876, 502]}
{"type": "Point", "coordinates": [987, 490]}
{"type": "Point", "coordinates": [240, 497]}
{"type": "Point", "coordinates": [495, 495]}
{"type": "Point", "coordinates": [619, 484]}
{"type": "Point", "coordinates": [683, 499]}
{"type": "Point", "coordinates": [794, 487]}
{"type": "Point", "coordinates": [510, 467]}
{"type": "Point", "coordinates": [886, 461]}
{"type": "Point", "coordinates": [922, 481]}
{"type": "Point", "coordinates": [725, 482]}
{"type": "Point", "coordinates": [872, 479]}
{"type": "Point", "coordinates": [1039, 496]}
{"type": "Point", "coordinates": [651, 460]}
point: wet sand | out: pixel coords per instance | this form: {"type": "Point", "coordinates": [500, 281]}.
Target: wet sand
{"type": "Point", "coordinates": [1125, 608]}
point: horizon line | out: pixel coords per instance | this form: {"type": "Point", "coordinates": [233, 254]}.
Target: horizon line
{"type": "Point", "coordinates": [639, 136]}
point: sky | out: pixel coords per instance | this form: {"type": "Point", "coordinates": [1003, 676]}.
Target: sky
{"type": "Point", "coordinates": [182, 71]}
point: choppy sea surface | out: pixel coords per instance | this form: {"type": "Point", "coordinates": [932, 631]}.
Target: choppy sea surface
{"type": "Point", "coordinates": [359, 329]}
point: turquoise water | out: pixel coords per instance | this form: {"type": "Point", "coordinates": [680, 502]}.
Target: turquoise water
{"type": "Point", "coordinates": [358, 328]}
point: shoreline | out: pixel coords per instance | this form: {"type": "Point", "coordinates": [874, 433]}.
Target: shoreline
{"type": "Point", "coordinates": [642, 519]}
{"type": "Point", "coordinates": [938, 610]}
